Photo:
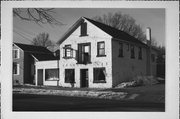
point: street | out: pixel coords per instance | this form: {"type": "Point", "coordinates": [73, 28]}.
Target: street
{"type": "Point", "coordinates": [30, 102]}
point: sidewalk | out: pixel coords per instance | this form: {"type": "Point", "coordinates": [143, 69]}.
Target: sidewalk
{"type": "Point", "coordinates": [153, 93]}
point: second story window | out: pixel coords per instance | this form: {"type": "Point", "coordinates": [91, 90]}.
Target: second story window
{"type": "Point", "coordinates": [140, 53]}
{"type": "Point", "coordinates": [16, 53]}
{"type": "Point", "coordinates": [84, 53]}
{"type": "Point", "coordinates": [101, 49]}
{"type": "Point", "coordinates": [67, 51]}
{"type": "Point", "coordinates": [120, 49]}
{"type": "Point", "coordinates": [132, 52]}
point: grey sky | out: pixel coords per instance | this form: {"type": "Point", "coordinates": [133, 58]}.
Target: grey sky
{"type": "Point", "coordinates": [24, 31]}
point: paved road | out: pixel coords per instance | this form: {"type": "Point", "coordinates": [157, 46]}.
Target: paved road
{"type": "Point", "coordinates": [28, 102]}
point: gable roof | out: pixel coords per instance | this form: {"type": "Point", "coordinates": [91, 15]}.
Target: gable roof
{"type": "Point", "coordinates": [33, 49]}
{"type": "Point", "coordinates": [44, 57]}
{"type": "Point", "coordinates": [38, 52]}
{"type": "Point", "coordinates": [115, 33]}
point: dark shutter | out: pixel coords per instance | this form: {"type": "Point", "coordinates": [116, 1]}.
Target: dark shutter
{"type": "Point", "coordinates": [84, 29]}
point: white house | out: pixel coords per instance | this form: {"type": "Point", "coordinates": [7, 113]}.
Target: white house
{"type": "Point", "coordinates": [96, 55]}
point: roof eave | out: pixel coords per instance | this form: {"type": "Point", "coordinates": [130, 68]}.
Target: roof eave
{"type": "Point", "coordinates": [71, 30]}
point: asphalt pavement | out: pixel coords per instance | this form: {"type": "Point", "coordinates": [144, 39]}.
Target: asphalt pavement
{"type": "Point", "coordinates": [32, 102]}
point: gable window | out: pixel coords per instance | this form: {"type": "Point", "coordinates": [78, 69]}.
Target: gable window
{"type": "Point", "coordinates": [68, 51]}
{"type": "Point", "coordinates": [101, 49]}
{"type": "Point", "coordinates": [15, 68]}
{"type": "Point", "coordinates": [84, 53]}
{"type": "Point", "coordinates": [84, 29]}
{"type": "Point", "coordinates": [69, 76]}
{"type": "Point", "coordinates": [99, 75]}
{"type": "Point", "coordinates": [120, 49]}
{"type": "Point", "coordinates": [132, 52]}
{"type": "Point", "coordinates": [140, 53]}
{"type": "Point", "coordinates": [15, 53]}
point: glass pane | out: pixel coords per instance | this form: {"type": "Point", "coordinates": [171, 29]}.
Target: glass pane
{"type": "Point", "coordinates": [101, 45]}
{"type": "Point", "coordinates": [101, 52]}
{"type": "Point", "coordinates": [86, 49]}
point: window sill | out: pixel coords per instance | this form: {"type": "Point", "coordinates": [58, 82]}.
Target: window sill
{"type": "Point", "coordinates": [83, 35]}
{"type": "Point", "coordinates": [70, 82]}
{"type": "Point", "coordinates": [67, 57]}
{"type": "Point", "coordinates": [100, 55]}
{"type": "Point", "coordinates": [121, 56]}
{"type": "Point", "coordinates": [51, 80]}
{"type": "Point", "coordinates": [101, 81]}
{"type": "Point", "coordinates": [84, 63]}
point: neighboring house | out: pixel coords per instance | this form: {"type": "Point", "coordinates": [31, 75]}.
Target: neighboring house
{"type": "Point", "coordinates": [95, 55]}
{"type": "Point", "coordinates": [24, 58]}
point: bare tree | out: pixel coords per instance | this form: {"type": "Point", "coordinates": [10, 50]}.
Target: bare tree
{"type": "Point", "coordinates": [37, 15]}
{"type": "Point", "coordinates": [43, 40]}
{"type": "Point", "coordinates": [122, 22]}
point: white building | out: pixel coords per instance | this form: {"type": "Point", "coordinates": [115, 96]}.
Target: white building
{"type": "Point", "coordinates": [95, 55]}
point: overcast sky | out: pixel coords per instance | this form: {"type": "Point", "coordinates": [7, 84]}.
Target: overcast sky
{"type": "Point", "coordinates": [24, 31]}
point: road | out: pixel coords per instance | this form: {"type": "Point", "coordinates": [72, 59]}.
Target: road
{"type": "Point", "coordinates": [29, 102]}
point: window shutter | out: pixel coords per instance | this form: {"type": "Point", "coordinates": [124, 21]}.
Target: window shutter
{"type": "Point", "coordinates": [84, 29]}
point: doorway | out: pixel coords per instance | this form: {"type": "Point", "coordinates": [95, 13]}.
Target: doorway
{"type": "Point", "coordinates": [40, 77]}
{"type": "Point", "coordinates": [84, 78]}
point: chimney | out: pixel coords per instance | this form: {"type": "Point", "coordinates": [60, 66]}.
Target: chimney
{"type": "Point", "coordinates": [148, 36]}
{"type": "Point", "coordinates": [148, 40]}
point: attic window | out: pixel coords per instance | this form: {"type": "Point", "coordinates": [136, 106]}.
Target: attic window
{"type": "Point", "coordinates": [84, 29]}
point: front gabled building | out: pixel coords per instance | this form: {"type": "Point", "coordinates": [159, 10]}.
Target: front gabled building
{"type": "Point", "coordinates": [96, 55]}
{"type": "Point", "coordinates": [24, 58]}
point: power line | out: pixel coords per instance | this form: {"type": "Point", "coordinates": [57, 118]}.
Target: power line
{"type": "Point", "coordinates": [23, 36]}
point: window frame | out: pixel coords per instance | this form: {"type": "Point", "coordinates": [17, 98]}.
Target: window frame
{"type": "Point", "coordinates": [98, 49]}
{"type": "Point", "coordinates": [65, 79]}
{"type": "Point", "coordinates": [95, 80]}
{"type": "Point", "coordinates": [17, 68]}
{"type": "Point", "coordinates": [81, 48]}
{"type": "Point", "coordinates": [121, 54]}
{"type": "Point", "coordinates": [18, 53]}
{"type": "Point", "coordinates": [140, 53]}
{"type": "Point", "coordinates": [54, 79]}
{"type": "Point", "coordinates": [132, 49]}
{"type": "Point", "coordinates": [65, 52]}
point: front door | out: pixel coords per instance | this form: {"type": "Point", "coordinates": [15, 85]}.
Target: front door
{"type": "Point", "coordinates": [84, 78]}
{"type": "Point", "coordinates": [40, 77]}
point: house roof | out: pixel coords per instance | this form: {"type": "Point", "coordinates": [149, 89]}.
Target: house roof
{"type": "Point", "coordinates": [33, 49]}
{"type": "Point", "coordinates": [38, 52]}
{"type": "Point", "coordinates": [44, 57]}
{"type": "Point", "coordinates": [115, 33]}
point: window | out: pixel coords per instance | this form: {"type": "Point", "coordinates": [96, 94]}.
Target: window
{"type": "Point", "coordinates": [16, 53]}
{"type": "Point", "coordinates": [68, 51]}
{"type": "Point", "coordinates": [51, 74]}
{"type": "Point", "coordinates": [15, 68]}
{"type": "Point", "coordinates": [120, 49]}
{"type": "Point", "coordinates": [127, 46]}
{"type": "Point", "coordinates": [132, 52]}
{"type": "Point", "coordinates": [84, 53]}
{"type": "Point", "coordinates": [69, 76]}
{"type": "Point", "coordinates": [101, 49]}
{"type": "Point", "coordinates": [99, 75]}
{"type": "Point", "coordinates": [84, 29]}
{"type": "Point", "coordinates": [153, 57]}
{"type": "Point", "coordinates": [140, 53]}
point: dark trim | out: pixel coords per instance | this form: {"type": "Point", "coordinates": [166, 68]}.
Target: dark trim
{"type": "Point", "coordinates": [100, 55]}
{"type": "Point", "coordinates": [99, 81]}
